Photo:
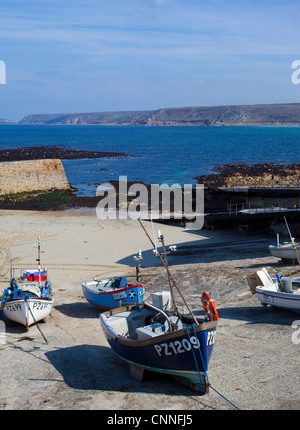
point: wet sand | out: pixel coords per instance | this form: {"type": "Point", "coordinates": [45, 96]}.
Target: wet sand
{"type": "Point", "coordinates": [255, 363]}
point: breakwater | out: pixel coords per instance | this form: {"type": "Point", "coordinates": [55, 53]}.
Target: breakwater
{"type": "Point", "coordinates": [32, 175]}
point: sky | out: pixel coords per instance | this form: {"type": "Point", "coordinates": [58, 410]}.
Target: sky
{"type": "Point", "coordinates": [115, 55]}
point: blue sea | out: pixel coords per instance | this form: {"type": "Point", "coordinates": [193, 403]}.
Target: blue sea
{"type": "Point", "coordinates": [165, 154]}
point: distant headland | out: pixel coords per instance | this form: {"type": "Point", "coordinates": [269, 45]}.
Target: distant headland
{"type": "Point", "coordinates": [210, 116]}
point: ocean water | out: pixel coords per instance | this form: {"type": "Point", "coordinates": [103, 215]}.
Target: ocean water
{"type": "Point", "coordinates": [165, 154]}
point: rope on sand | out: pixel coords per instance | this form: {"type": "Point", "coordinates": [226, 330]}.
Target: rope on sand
{"type": "Point", "coordinates": [193, 326]}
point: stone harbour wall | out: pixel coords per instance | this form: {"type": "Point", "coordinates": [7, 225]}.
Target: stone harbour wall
{"type": "Point", "coordinates": [32, 175]}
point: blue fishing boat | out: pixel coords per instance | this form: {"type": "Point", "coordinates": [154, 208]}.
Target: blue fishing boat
{"type": "Point", "coordinates": [158, 337]}
{"type": "Point", "coordinates": [111, 293]}
{"type": "Point", "coordinates": [150, 337]}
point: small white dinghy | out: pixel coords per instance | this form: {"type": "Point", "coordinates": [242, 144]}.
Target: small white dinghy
{"type": "Point", "coordinates": [281, 293]}
{"type": "Point", "coordinates": [287, 251]}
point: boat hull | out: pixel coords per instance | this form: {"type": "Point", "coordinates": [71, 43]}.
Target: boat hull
{"type": "Point", "coordinates": [285, 252]}
{"type": "Point", "coordinates": [279, 299]}
{"type": "Point", "coordinates": [176, 353]}
{"type": "Point", "coordinates": [27, 311]}
{"type": "Point", "coordinates": [105, 300]}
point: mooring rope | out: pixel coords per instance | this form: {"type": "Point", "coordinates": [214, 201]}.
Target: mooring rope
{"type": "Point", "coordinates": [35, 322]}
{"type": "Point", "coordinates": [196, 362]}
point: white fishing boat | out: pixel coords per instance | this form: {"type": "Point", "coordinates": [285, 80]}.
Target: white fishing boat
{"type": "Point", "coordinates": [25, 304]}
{"type": "Point", "coordinates": [287, 251]}
{"type": "Point", "coordinates": [29, 299]}
{"type": "Point", "coordinates": [283, 293]}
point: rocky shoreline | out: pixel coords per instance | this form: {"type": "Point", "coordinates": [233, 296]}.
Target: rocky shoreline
{"type": "Point", "coordinates": [40, 152]}
{"type": "Point", "coordinates": [227, 174]}
{"type": "Point", "coordinates": [269, 175]}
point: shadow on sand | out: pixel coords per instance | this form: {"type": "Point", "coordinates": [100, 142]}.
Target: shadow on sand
{"type": "Point", "coordinates": [259, 315]}
{"type": "Point", "coordinates": [209, 247]}
{"type": "Point", "coordinates": [78, 310]}
{"type": "Point", "coordinates": [92, 367]}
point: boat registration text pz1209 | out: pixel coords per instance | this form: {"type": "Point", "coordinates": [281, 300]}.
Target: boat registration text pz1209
{"type": "Point", "coordinates": [184, 345]}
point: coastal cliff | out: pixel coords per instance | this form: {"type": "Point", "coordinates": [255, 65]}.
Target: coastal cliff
{"type": "Point", "coordinates": [244, 115]}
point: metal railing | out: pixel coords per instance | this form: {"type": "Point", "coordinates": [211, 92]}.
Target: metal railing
{"type": "Point", "coordinates": [284, 206]}
{"type": "Point", "coordinates": [272, 184]}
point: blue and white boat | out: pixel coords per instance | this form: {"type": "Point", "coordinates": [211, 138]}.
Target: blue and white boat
{"type": "Point", "coordinates": [111, 293]}
{"type": "Point", "coordinates": [150, 337]}
{"type": "Point", "coordinates": [29, 299]}
{"type": "Point", "coordinates": [159, 338]}
{"type": "Point", "coordinates": [27, 302]}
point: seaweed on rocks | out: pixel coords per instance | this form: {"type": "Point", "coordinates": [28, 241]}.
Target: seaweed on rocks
{"type": "Point", "coordinates": [256, 169]}
{"type": "Point", "coordinates": [46, 152]}
{"type": "Point", "coordinates": [38, 200]}
{"type": "Point", "coordinates": [226, 174]}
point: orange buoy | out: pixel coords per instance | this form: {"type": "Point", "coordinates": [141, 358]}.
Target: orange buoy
{"type": "Point", "coordinates": [209, 307]}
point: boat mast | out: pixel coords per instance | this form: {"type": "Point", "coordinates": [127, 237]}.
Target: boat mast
{"type": "Point", "coordinates": [171, 277]}
{"type": "Point", "coordinates": [39, 259]}
{"type": "Point", "coordinates": [138, 257]}
{"type": "Point", "coordinates": [160, 237]}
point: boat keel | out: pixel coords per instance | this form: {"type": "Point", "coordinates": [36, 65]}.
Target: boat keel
{"type": "Point", "coordinates": [137, 372]}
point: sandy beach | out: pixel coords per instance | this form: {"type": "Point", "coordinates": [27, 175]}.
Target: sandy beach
{"type": "Point", "coordinates": [255, 363]}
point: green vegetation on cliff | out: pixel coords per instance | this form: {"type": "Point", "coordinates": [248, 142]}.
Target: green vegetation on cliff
{"type": "Point", "coordinates": [271, 114]}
